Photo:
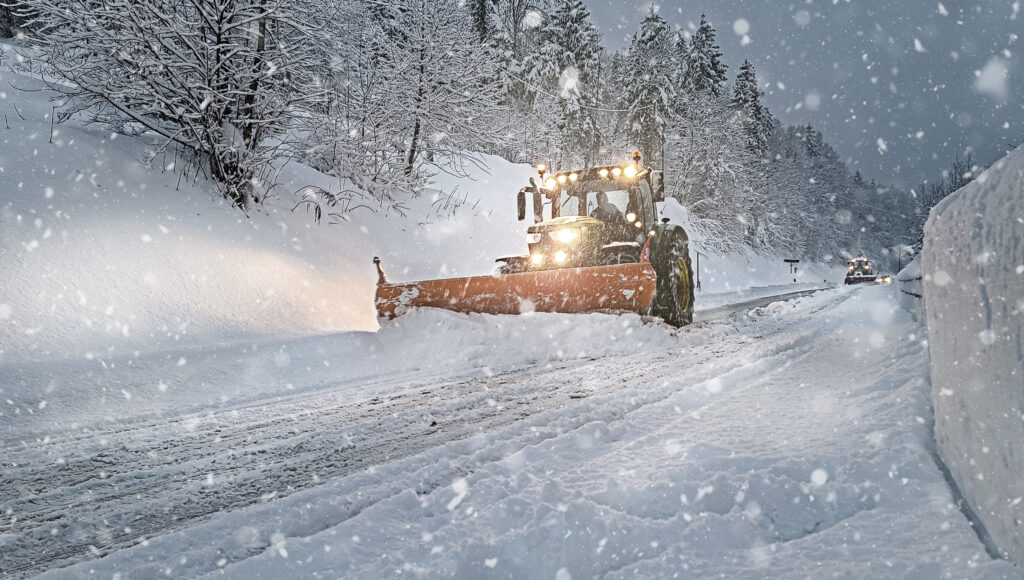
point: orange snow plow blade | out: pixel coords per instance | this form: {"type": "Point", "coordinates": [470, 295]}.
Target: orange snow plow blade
{"type": "Point", "coordinates": [627, 287]}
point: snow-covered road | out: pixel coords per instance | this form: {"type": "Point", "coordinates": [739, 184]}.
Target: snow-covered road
{"type": "Point", "coordinates": [736, 446]}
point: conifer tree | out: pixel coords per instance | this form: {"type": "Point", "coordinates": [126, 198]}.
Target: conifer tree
{"type": "Point", "coordinates": [705, 72]}
{"type": "Point", "coordinates": [575, 49]}
{"type": "Point", "coordinates": [752, 116]}
{"type": "Point", "coordinates": [648, 88]}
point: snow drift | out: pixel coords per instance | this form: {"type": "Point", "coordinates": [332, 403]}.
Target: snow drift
{"type": "Point", "coordinates": [973, 266]}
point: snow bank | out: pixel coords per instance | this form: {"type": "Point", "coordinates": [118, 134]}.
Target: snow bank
{"type": "Point", "coordinates": [423, 345]}
{"type": "Point", "coordinates": [973, 266]}
{"type": "Point", "coordinates": [102, 255]}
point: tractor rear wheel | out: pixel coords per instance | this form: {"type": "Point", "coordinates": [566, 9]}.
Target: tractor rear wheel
{"type": "Point", "coordinates": [673, 299]}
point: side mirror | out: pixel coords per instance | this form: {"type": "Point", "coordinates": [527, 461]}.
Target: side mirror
{"type": "Point", "coordinates": [521, 204]}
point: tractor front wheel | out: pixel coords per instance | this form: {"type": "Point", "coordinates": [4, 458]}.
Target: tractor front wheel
{"type": "Point", "coordinates": [673, 300]}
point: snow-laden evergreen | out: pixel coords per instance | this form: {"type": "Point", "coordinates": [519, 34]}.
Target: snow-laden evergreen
{"type": "Point", "coordinates": [648, 90]}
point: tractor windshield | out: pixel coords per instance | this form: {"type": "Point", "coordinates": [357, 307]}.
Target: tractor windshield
{"type": "Point", "coordinates": [614, 202]}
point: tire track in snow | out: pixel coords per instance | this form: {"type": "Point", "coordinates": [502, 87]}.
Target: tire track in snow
{"type": "Point", "coordinates": [144, 486]}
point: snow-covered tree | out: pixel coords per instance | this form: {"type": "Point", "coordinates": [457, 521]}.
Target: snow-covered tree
{"type": "Point", "coordinates": [705, 72]}
{"type": "Point", "coordinates": [573, 47]}
{"type": "Point", "coordinates": [480, 12]}
{"type": "Point", "coordinates": [648, 90]}
{"type": "Point", "coordinates": [756, 120]}
{"type": "Point", "coordinates": [224, 79]}
{"type": "Point", "coordinates": [441, 81]}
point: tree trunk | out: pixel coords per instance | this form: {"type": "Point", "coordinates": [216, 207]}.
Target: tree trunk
{"type": "Point", "coordinates": [410, 163]}
{"type": "Point", "coordinates": [249, 127]}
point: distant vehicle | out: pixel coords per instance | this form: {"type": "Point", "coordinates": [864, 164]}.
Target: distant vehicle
{"type": "Point", "coordinates": [860, 271]}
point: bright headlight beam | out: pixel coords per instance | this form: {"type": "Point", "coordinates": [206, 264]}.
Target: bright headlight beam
{"type": "Point", "coordinates": [629, 171]}
{"type": "Point", "coordinates": [567, 235]}
{"type": "Point", "coordinates": [560, 256]}
{"type": "Point", "coordinates": [616, 171]}
{"type": "Point", "coordinates": [630, 217]}
{"type": "Point", "coordinates": [537, 259]}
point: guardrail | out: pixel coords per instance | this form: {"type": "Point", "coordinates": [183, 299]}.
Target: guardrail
{"type": "Point", "coordinates": [911, 285]}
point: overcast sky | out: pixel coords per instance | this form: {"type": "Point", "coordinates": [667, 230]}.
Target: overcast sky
{"type": "Point", "coordinates": [898, 87]}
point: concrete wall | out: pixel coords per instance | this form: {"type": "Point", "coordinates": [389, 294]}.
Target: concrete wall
{"type": "Point", "coordinates": [972, 269]}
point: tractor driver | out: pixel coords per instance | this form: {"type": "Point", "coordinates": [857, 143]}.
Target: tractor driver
{"type": "Point", "coordinates": [606, 211]}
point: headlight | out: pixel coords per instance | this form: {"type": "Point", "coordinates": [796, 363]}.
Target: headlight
{"type": "Point", "coordinates": [573, 177]}
{"type": "Point", "coordinates": [561, 178]}
{"type": "Point", "coordinates": [565, 235]}
{"type": "Point", "coordinates": [616, 171]}
{"type": "Point", "coordinates": [550, 183]}
{"type": "Point", "coordinates": [639, 224]}
{"type": "Point", "coordinates": [629, 171]}
{"type": "Point", "coordinates": [603, 173]}
{"type": "Point", "coordinates": [533, 238]}
{"type": "Point", "coordinates": [560, 256]}
{"type": "Point", "coordinates": [537, 259]}
{"type": "Point", "coordinates": [630, 217]}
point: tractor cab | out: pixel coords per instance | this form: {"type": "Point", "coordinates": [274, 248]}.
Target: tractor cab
{"type": "Point", "coordinates": [597, 216]}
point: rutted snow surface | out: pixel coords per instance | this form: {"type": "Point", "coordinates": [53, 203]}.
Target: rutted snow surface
{"type": "Point", "coordinates": [737, 449]}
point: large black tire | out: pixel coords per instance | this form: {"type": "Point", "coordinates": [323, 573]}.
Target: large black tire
{"type": "Point", "coordinates": [673, 297]}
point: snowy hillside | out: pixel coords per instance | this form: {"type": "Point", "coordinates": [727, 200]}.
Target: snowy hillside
{"type": "Point", "coordinates": [103, 255]}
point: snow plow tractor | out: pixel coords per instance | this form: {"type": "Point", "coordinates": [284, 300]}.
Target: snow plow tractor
{"type": "Point", "coordinates": [859, 271]}
{"type": "Point", "coordinates": [602, 248]}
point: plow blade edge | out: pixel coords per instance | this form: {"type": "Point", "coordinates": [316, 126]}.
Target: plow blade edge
{"type": "Point", "coordinates": [627, 287]}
